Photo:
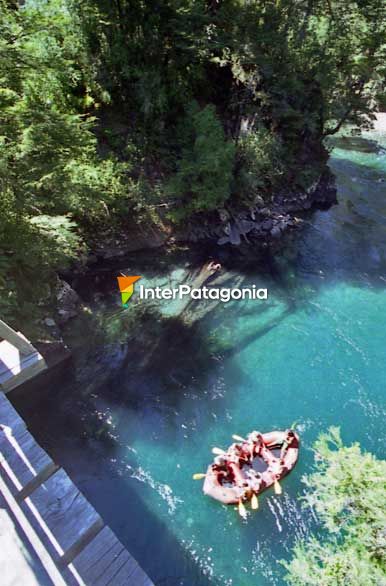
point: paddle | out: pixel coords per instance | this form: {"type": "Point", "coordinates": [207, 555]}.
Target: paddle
{"type": "Point", "coordinates": [277, 488]}
{"type": "Point", "coordinates": [286, 444]}
{"type": "Point", "coordinates": [198, 476]}
{"type": "Point", "coordinates": [254, 502]}
{"type": "Point", "coordinates": [242, 510]}
{"type": "Point", "coordinates": [218, 452]}
{"type": "Point", "coordinates": [238, 438]}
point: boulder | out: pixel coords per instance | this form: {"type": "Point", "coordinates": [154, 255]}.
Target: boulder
{"type": "Point", "coordinates": [68, 301]}
{"type": "Point", "coordinates": [245, 226]}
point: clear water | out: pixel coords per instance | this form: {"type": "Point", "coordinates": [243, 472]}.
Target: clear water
{"type": "Point", "coordinates": [315, 353]}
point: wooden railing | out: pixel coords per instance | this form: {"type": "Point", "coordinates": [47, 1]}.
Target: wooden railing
{"type": "Point", "coordinates": [19, 360]}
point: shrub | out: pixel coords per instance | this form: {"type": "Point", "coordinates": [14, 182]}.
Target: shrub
{"type": "Point", "coordinates": [348, 492]}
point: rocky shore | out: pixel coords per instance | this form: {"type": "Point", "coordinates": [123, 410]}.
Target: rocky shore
{"type": "Point", "coordinates": [266, 223]}
{"type": "Point", "coordinates": [262, 224]}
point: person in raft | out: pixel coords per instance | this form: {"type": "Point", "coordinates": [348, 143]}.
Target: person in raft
{"type": "Point", "coordinates": [220, 466]}
{"type": "Point", "coordinates": [255, 447]}
{"type": "Point", "coordinates": [236, 458]}
{"type": "Point", "coordinates": [256, 443]}
{"type": "Point", "coordinates": [228, 469]}
{"type": "Point", "coordinates": [229, 465]}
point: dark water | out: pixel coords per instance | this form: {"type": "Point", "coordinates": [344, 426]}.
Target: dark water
{"type": "Point", "coordinates": [131, 432]}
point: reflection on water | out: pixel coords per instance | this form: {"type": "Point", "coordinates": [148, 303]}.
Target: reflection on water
{"type": "Point", "coordinates": [148, 398]}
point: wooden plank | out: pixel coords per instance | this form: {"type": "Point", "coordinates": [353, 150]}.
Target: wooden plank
{"type": "Point", "coordinates": [9, 416]}
{"type": "Point", "coordinates": [64, 521]}
{"type": "Point", "coordinates": [106, 561]}
{"type": "Point", "coordinates": [60, 514]}
{"type": "Point", "coordinates": [29, 552]}
{"type": "Point", "coordinates": [98, 556]}
{"type": "Point", "coordinates": [19, 360]}
{"type": "Point", "coordinates": [128, 578]}
{"type": "Point", "coordinates": [130, 574]}
{"type": "Point", "coordinates": [81, 543]}
{"type": "Point", "coordinates": [12, 362]}
{"type": "Point", "coordinates": [93, 559]}
{"type": "Point", "coordinates": [10, 359]}
{"type": "Point", "coordinates": [15, 338]}
{"type": "Point", "coordinates": [22, 459]}
{"type": "Point", "coordinates": [28, 368]}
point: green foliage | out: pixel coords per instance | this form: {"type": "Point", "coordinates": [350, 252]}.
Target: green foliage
{"type": "Point", "coordinates": [152, 54]}
{"type": "Point", "coordinates": [202, 181]}
{"type": "Point", "coordinates": [61, 231]}
{"type": "Point", "coordinates": [295, 70]}
{"type": "Point", "coordinates": [52, 178]}
{"type": "Point", "coordinates": [348, 493]}
{"type": "Point", "coordinates": [49, 154]}
{"type": "Point", "coordinates": [30, 254]}
{"type": "Point", "coordinates": [261, 164]}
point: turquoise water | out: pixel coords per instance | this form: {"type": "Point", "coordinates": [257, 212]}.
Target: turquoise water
{"type": "Point", "coordinates": [131, 434]}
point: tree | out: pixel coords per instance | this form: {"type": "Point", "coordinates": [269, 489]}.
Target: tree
{"type": "Point", "coordinates": [348, 492]}
{"type": "Point", "coordinates": [49, 164]}
{"type": "Point", "coordinates": [202, 181]}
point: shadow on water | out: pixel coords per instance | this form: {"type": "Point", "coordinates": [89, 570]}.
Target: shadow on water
{"type": "Point", "coordinates": [156, 265]}
{"type": "Point", "coordinates": [258, 333]}
{"type": "Point", "coordinates": [356, 143]}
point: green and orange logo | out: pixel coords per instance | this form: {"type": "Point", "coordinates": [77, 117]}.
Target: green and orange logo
{"type": "Point", "coordinates": [126, 287]}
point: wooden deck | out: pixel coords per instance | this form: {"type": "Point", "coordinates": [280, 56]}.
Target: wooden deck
{"type": "Point", "coordinates": [67, 539]}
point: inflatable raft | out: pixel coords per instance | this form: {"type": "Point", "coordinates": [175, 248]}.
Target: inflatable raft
{"type": "Point", "coordinates": [251, 466]}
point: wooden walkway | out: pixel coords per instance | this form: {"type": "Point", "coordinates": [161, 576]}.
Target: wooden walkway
{"type": "Point", "coordinates": [72, 544]}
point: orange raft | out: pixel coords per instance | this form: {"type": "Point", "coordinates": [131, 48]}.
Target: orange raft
{"type": "Point", "coordinates": [249, 467]}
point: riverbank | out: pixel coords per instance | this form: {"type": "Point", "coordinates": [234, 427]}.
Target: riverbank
{"type": "Point", "coordinates": [262, 225]}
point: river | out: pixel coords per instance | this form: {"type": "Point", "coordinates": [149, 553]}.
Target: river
{"type": "Point", "coordinates": [131, 435]}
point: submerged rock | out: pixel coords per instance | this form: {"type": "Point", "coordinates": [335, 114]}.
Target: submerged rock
{"type": "Point", "coordinates": [356, 143]}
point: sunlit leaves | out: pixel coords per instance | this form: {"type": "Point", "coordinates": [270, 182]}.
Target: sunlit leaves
{"type": "Point", "coordinates": [348, 493]}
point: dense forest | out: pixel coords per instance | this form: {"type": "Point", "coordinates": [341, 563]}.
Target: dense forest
{"type": "Point", "coordinates": [121, 113]}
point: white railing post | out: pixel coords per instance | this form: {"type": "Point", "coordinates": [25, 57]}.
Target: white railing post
{"type": "Point", "coordinates": [15, 339]}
